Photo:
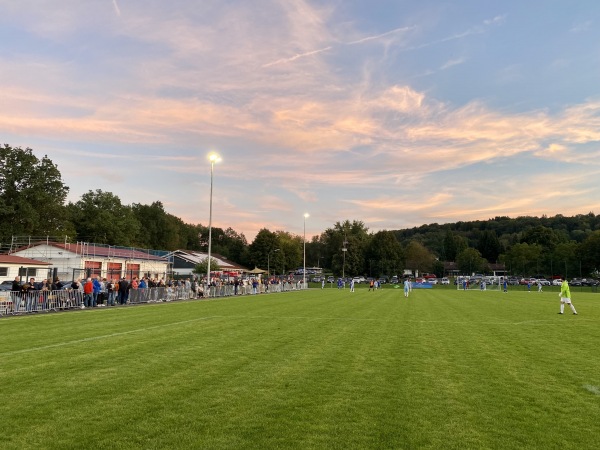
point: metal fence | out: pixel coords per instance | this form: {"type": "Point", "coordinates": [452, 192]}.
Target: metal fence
{"type": "Point", "coordinates": [16, 303]}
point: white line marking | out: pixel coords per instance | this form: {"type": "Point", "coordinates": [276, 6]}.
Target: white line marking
{"type": "Point", "coordinates": [104, 336]}
{"type": "Point", "coordinates": [349, 319]}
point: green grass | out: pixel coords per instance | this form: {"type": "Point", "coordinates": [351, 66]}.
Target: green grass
{"type": "Point", "coordinates": [315, 369]}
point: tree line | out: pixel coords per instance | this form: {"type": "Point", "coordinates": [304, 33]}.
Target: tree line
{"type": "Point", "coordinates": [33, 203]}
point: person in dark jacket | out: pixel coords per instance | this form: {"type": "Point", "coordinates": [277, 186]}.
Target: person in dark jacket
{"type": "Point", "coordinates": [15, 293]}
{"type": "Point", "coordinates": [123, 291]}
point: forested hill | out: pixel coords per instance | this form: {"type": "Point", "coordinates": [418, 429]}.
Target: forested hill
{"type": "Point", "coordinates": [509, 231]}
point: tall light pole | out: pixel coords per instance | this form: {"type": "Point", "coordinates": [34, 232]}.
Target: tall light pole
{"type": "Point", "coordinates": [306, 215]}
{"type": "Point", "coordinates": [269, 261]}
{"type": "Point", "coordinates": [213, 158]}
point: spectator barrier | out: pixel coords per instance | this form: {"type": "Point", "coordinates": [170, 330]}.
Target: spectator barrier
{"type": "Point", "coordinates": [16, 303]}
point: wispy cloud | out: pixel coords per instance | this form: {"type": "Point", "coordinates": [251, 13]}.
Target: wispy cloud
{"type": "Point", "coordinates": [581, 27]}
{"type": "Point", "coordinates": [297, 56]}
{"type": "Point", "coordinates": [452, 63]}
{"type": "Point", "coordinates": [116, 6]}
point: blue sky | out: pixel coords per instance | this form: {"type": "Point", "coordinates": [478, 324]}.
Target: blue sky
{"type": "Point", "coordinates": [395, 113]}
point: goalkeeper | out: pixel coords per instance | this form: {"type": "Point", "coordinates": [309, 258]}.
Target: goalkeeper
{"type": "Point", "coordinates": [565, 297]}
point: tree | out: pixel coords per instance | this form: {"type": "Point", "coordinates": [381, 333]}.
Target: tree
{"type": "Point", "coordinates": [418, 257]}
{"type": "Point", "coordinates": [565, 259]}
{"type": "Point", "coordinates": [524, 258]}
{"type": "Point", "coordinates": [32, 195]}
{"type": "Point", "coordinates": [290, 253]}
{"type": "Point", "coordinates": [101, 218]}
{"type": "Point", "coordinates": [387, 253]}
{"type": "Point", "coordinates": [264, 242]}
{"type": "Point", "coordinates": [453, 245]}
{"type": "Point", "coordinates": [590, 253]}
{"type": "Point", "coordinates": [158, 229]}
{"type": "Point", "coordinates": [489, 245]}
{"type": "Point", "coordinates": [470, 261]}
{"type": "Point", "coordinates": [354, 237]}
{"type": "Point", "coordinates": [202, 267]}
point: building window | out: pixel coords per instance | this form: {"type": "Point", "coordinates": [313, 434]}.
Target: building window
{"type": "Point", "coordinates": [113, 271]}
{"type": "Point", "coordinates": [94, 268]}
{"type": "Point", "coordinates": [133, 270]}
{"type": "Point", "coordinates": [27, 272]}
{"type": "Point", "coordinates": [3, 271]}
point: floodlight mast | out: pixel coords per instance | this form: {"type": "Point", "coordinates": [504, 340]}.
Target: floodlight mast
{"type": "Point", "coordinates": [306, 216]}
{"type": "Point", "coordinates": [213, 158]}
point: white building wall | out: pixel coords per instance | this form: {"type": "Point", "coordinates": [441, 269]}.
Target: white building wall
{"type": "Point", "coordinates": [71, 265]}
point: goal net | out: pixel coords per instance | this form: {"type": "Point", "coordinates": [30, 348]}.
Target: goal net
{"type": "Point", "coordinates": [479, 284]}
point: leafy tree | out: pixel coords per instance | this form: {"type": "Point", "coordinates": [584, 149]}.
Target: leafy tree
{"type": "Point", "coordinates": [354, 237]}
{"type": "Point", "coordinates": [291, 251]}
{"type": "Point", "coordinates": [590, 254]}
{"type": "Point", "coordinates": [101, 218]}
{"type": "Point", "coordinates": [264, 242]}
{"type": "Point", "coordinates": [387, 252]}
{"type": "Point", "coordinates": [543, 236]}
{"type": "Point", "coordinates": [453, 245]}
{"type": "Point", "coordinates": [489, 245]}
{"type": "Point", "coordinates": [418, 257]}
{"type": "Point", "coordinates": [32, 195]}
{"type": "Point", "coordinates": [158, 229]}
{"type": "Point", "coordinates": [523, 258]}
{"type": "Point", "coordinates": [202, 267]}
{"type": "Point", "coordinates": [564, 259]}
{"type": "Point", "coordinates": [470, 261]}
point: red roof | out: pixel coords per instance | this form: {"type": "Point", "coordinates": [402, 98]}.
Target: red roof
{"type": "Point", "coordinates": [10, 259]}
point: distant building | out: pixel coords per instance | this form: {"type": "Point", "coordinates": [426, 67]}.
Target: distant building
{"type": "Point", "coordinates": [12, 266]}
{"type": "Point", "coordinates": [81, 259]}
{"type": "Point", "coordinates": [184, 261]}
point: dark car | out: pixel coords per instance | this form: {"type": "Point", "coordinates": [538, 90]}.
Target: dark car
{"type": "Point", "coordinates": [6, 286]}
{"type": "Point", "coordinates": [512, 281]}
{"type": "Point", "coordinates": [576, 282]}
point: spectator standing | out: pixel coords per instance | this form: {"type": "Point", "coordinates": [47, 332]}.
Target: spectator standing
{"type": "Point", "coordinates": [97, 288]}
{"type": "Point", "coordinates": [110, 291]}
{"type": "Point", "coordinates": [123, 291]}
{"type": "Point", "coordinates": [16, 294]}
{"type": "Point", "coordinates": [30, 297]}
{"type": "Point", "coordinates": [88, 293]}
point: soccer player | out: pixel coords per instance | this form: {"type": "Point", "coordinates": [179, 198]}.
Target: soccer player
{"type": "Point", "coordinates": [505, 285]}
{"type": "Point", "coordinates": [565, 297]}
{"type": "Point", "coordinates": [539, 286]}
{"type": "Point", "coordinates": [406, 287]}
{"type": "Point", "coordinates": [352, 285]}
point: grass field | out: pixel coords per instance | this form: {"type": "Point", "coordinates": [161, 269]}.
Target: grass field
{"type": "Point", "coordinates": [314, 369]}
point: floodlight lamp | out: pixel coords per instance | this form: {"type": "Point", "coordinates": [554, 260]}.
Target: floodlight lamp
{"type": "Point", "coordinates": [214, 158]}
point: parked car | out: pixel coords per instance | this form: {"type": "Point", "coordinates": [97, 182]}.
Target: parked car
{"type": "Point", "coordinates": [330, 279]}
{"type": "Point", "coordinates": [512, 281]}
{"type": "Point", "coordinates": [383, 280]}
{"type": "Point", "coordinates": [543, 282]}
{"type": "Point", "coordinates": [575, 282]}
{"type": "Point", "coordinates": [445, 280]}
{"type": "Point", "coordinates": [356, 280]}
{"type": "Point", "coordinates": [6, 286]}
{"type": "Point", "coordinates": [432, 280]}
{"type": "Point", "coordinates": [557, 282]}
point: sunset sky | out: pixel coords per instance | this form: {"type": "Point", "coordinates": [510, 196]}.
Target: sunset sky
{"type": "Point", "coordinates": [394, 113]}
